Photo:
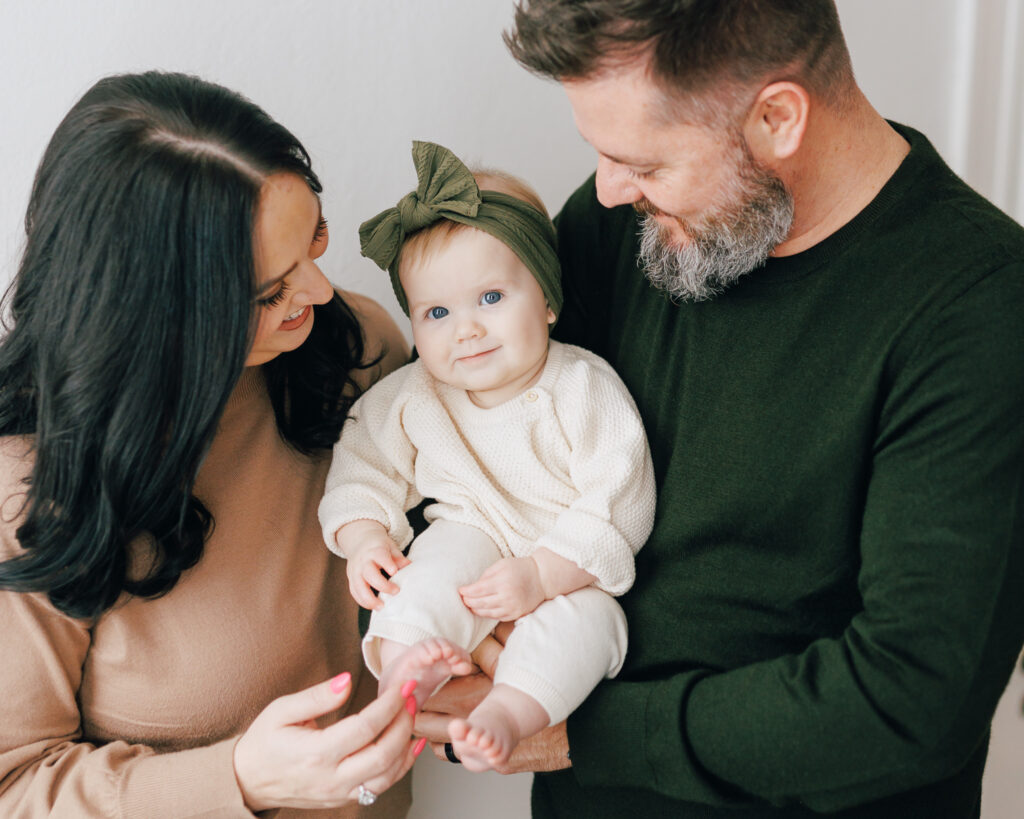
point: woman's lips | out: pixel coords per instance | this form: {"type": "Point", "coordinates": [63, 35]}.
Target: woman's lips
{"type": "Point", "coordinates": [298, 321]}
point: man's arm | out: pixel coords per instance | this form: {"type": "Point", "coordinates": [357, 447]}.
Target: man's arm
{"type": "Point", "coordinates": [903, 696]}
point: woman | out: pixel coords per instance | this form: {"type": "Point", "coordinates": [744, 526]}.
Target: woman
{"type": "Point", "coordinates": [175, 372]}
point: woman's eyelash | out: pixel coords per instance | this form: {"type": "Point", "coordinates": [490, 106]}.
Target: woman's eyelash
{"type": "Point", "coordinates": [276, 299]}
{"type": "Point", "coordinates": [321, 230]}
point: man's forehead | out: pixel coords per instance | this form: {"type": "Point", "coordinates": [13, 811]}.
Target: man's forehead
{"type": "Point", "coordinates": [627, 130]}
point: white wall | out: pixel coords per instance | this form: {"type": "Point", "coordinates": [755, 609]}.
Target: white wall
{"type": "Point", "coordinates": [357, 80]}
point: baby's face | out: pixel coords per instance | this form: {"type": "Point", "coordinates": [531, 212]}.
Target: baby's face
{"type": "Point", "coordinates": [479, 318]}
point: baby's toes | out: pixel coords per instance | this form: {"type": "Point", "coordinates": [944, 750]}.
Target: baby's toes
{"type": "Point", "coordinates": [458, 730]}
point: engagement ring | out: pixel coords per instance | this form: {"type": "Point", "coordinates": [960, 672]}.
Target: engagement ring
{"type": "Point", "coordinates": [366, 796]}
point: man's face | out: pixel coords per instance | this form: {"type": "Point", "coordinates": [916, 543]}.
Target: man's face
{"type": "Point", "coordinates": [710, 211]}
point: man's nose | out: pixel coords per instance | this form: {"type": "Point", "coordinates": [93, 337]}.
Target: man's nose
{"type": "Point", "coordinates": [614, 184]}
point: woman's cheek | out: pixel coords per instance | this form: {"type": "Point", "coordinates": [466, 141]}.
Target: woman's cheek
{"type": "Point", "coordinates": [263, 327]}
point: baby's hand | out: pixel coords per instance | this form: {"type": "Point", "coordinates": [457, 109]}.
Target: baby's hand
{"type": "Point", "coordinates": [508, 589]}
{"type": "Point", "coordinates": [370, 553]}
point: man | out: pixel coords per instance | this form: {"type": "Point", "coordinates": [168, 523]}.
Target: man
{"type": "Point", "coordinates": [830, 367]}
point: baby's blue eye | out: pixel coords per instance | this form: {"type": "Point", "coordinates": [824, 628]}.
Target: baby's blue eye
{"type": "Point", "coordinates": [490, 297]}
{"type": "Point", "coordinates": [437, 312]}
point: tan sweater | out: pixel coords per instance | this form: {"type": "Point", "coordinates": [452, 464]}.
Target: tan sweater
{"type": "Point", "coordinates": [139, 715]}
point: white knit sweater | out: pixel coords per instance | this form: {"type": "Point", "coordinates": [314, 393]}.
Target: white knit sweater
{"type": "Point", "coordinates": [564, 465]}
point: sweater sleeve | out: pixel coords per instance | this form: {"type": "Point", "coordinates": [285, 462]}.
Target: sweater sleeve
{"type": "Point", "coordinates": [372, 471]}
{"type": "Point", "coordinates": [610, 466]}
{"type": "Point", "coordinates": [904, 694]}
{"type": "Point", "coordinates": [46, 768]}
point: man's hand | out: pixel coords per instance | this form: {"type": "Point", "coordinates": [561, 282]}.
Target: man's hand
{"type": "Point", "coordinates": [457, 698]}
{"type": "Point", "coordinates": [547, 750]}
{"type": "Point", "coordinates": [370, 553]}
{"type": "Point", "coordinates": [507, 590]}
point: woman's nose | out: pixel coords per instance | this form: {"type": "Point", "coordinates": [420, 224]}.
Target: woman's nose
{"type": "Point", "coordinates": [314, 287]}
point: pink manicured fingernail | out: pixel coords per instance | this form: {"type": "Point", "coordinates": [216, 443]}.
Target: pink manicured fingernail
{"type": "Point", "coordinates": [408, 688]}
{"type": "Point", "coordinates": [339, 682]}
{"type": "Point", "coordinates": [419, 746]}
{"type": "Point", "coordinates": [410, 706]}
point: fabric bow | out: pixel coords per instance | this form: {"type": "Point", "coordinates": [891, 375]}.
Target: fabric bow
{"type": "Point", "coordinates": [448, 190]}
{"type": "Point", "coordinates": [445, 186]}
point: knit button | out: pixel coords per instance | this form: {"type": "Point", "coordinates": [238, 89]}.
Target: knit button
{"type": "Point", "coordinates": [531, 396]}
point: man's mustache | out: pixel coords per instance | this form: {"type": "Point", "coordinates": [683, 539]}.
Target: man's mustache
{"type": "Point", "coordinates": [645, 207]}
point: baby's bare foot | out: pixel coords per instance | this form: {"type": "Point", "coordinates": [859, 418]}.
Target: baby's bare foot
{"type": "Point", "coordinates": [486, 742]}
{"type": "Point", "coordinates": [487, 738]}
{"type": "Point", "coordinates": [430, 663]}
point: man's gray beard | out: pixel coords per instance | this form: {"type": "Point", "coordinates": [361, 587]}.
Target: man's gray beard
{"type": "Point", "coordinates": [726, 243]}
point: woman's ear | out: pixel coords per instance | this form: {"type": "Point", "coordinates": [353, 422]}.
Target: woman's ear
{"type": "Point", "coordinates": [775, 126]}
{"type": "Point", "coordinates": [552, 318]}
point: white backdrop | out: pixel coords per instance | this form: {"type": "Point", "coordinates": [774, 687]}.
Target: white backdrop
{"type": "Point", "coordinates": [357, 80]}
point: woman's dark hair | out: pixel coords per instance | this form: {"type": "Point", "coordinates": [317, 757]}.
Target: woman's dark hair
{"type": "Point", "coordinates": [130, 320]}
{"type": "Point", "coordinates": [695, 46]}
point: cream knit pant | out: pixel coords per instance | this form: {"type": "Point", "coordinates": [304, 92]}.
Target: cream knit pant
{"type": "Point", "coordinates": [556, 654]}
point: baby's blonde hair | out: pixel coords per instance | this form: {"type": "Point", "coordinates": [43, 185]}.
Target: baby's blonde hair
{"type": "Point", "coordinates": [429, 240]}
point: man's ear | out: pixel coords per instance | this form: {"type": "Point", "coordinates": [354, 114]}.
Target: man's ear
{"type": "Point", "coordinates": [775, 126]}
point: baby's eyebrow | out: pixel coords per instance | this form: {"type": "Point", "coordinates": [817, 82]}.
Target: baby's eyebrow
{"type": "Point", "coordinates": [419, 305]}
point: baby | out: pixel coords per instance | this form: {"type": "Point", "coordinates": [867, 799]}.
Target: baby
{"type": "Point", "coordinates": [532, 452]}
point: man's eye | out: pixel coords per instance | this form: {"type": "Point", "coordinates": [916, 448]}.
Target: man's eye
{"type": "Point", "coordinates": [437, 312]}
{"type": "Point", "coordinates": [641, 174]}
{"type": "Point", "coordinates": [490, 297]}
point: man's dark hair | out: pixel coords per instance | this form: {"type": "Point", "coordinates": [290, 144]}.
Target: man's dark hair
{"type": "Point", "coordinates": [695, 46]}
{"type": "Point", "coordinates": [130, 321]}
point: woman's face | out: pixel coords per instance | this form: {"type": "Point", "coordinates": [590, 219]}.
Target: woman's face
{"type": "Point", "coordinates": [290, 235]}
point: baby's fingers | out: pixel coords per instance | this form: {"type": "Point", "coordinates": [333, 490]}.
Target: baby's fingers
{"type": "Point", "coordinates": [491, 610]}
{"type": "Point", "coordinates": [478, 589]}
{"type": "Point", "coordinates": [363, 594]}
{"type": "Point", "coordinates": [392, 561]}
{"type": "Point", "coordinates": [483, 605]}
{"type": "Point", "coordinates": [377, 580]}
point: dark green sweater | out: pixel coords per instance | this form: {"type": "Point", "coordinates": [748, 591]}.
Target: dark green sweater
{"type": "Point", "coordinates": [832, 599]}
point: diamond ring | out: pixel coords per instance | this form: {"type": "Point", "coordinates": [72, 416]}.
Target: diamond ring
{"type": "Point", "coordinates": [366, 796]}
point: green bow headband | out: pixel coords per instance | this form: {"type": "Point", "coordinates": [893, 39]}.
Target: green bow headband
{"type": "Point", "coordinates": [447, 190]}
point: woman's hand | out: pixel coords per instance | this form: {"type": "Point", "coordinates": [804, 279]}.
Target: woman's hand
{"type": "Point", "coordinates": [285, 760]}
